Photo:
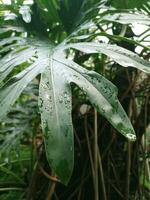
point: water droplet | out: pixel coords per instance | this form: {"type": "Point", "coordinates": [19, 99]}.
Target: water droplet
{"type": "Point", "coordinates": [131, 137]}
{"type": "Point", "coordinates": [65, 94]}
{"type": "Point", "coordinates": [60, 100]}
{"type": "Point", "coordinates": [102, 110]}
{"type": "Point", "coordinates": [45, 9]}
{"type": "Point", "coordinates": [47, 96]}
{"type": "Point", "coordinates": [40, 103]}
{"type": "Point", "coordinates": [68, 99]}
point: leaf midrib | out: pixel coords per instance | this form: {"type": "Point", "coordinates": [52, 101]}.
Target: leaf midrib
{"type": "Point", "coordinates": [53, 89]}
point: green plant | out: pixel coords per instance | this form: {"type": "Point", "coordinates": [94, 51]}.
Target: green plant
{"type": "Point", "coordinates": [42, 38]}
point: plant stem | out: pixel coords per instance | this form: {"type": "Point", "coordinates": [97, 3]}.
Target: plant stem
{"type": "Point", "coordinates": [102, 176]}
{"type": "Point", "coordinates": [11, 189]}
{"type": "Point", "coordinates": [123, 31]}
{"type": "Point", "coordinates": [96, 156]}
{"type": "Point", "coordinates": [51, 191]}
{"type": "Point", "coordinates": [89, 149]}
{"type": "Point", "coordinates": [31, 193]}
{"type": "Point", "coordinates": [128, 172]}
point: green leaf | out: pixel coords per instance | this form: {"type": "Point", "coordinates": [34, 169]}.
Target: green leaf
{"type": "Point", "coordinates": [9, 172]}
{"type": "Point", "coordinates": [128, 3]}
{"type": "Point", "coordinates": [122, 56]}
{"type": "Point", "coordinates": [55, 104]}
{"type": "Point", "coordinates": [127, 18]}
{"type": "Point", "coordinates": [58, 73]}
{"type": "Point", "coordinates": [48, 10]}
{"type": "Point", "coordinates": [10, 61]}
{"type": "Point", "coordinates": [10, 40]}
{"type": "Point", "coordinates": [14, 87]}
{"type": "Point", "coordinates": [26, 13]}
{"type": "Point", "coordinates": [55, 96]}
{"type": "Point", "coordinates": [102, 94]}
{"type": "Point", "coordinates": [11, 28]}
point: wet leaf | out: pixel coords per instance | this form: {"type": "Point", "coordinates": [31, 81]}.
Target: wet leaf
{"type": "Point", "coordinates": [26, 13]}
{"type": "Point", "coordinates": [55, 105]}
{"type": "Point", "coordinates": [120, 55]}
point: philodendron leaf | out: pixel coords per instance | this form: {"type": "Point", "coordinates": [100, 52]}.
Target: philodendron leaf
{"type": "Point", "coordinates": [57, 74]}
{"type": "Point", "coordinates": [55, 99]}
{"type": "Point", "coordinates": [14, 87]}
{"type": "Point", "coordinates": [55, 105]}
{"type": "Point", "coordinates": [12, 60]}
{"type": "Point", "coordinates": [127, 18]}
{"type": "Point", "coordinates": [55, 93]}
{"type": "Point", "coordinates": [122, 56]}
{"type": "Point", "coordinates": [102, 94]}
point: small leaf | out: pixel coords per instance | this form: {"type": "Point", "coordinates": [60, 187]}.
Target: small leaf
{"type": "Point", "coordinates": [11, 28]}
{"type": "Point", "coordinates": [11, 40]}
{"type": "Point", "coordinates": [26, 13]}
{"type": "Point", "coordinates": [127, 18]}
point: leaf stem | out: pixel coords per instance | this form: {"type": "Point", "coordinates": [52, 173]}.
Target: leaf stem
{"type": "Point", "coordinates": [127, 192]}
{"type": "Point", "coordinates": [11, 189]}
{"type": "Point", "coordinates": [102, 176]}
{"type": "Point", "coordinates": [89, 148]}
{"type": "Point", "coordinates": [51, 191]}
{"type": "Point", "coordinates": [96, 156]}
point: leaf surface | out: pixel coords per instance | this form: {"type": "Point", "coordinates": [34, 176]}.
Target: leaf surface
{"type": "Point", "coordinates": [122, 56]}
{"type": "Point", "coordinates": [102, 94]}
{"type": "Point", "coordinates": [14, 87]}
{"type": "Point", "coordinates": [55, 105]}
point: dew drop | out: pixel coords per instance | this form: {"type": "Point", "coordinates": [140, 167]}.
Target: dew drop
{"type": "Point", "coordinates": [68, 100]}
{"type": "Point", "coordinates": [60, 100]}
{"type": "Point", "coordinates": [102, 110]}
{"type": "Point", "coordinates": [131, 137]}
{"type": "Point", "coordinates": [45, 9]}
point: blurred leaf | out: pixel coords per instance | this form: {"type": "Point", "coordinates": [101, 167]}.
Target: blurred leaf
{"type": "Point", "coordinates": [26, 13]}
{"type": "Point", "coordinates": [128, 3]}
{"type": "Point", "coordinates": [127, 18]}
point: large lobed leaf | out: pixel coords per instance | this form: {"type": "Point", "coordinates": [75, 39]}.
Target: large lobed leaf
{"type": "Point", "coordinates": [55, 94]}
{"type": "Point", "coordinates": [57, 74]}
{"type": "Point", "coordinates": [102, 94]}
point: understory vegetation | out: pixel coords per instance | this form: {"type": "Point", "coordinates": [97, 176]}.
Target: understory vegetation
{"type": "Point", "coordinates": [75, 100]}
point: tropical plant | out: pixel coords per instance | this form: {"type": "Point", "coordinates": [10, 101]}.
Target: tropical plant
{"type": "Point", "coordinates": [41, 39]}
